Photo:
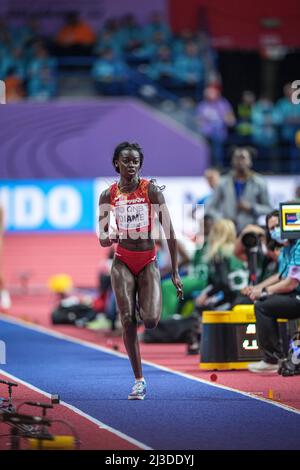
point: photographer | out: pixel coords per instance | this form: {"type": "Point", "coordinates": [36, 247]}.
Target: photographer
{"type": "Point", "coordinates": [255, 246]}
{"type": "Point", "coordinates": [276, 297]}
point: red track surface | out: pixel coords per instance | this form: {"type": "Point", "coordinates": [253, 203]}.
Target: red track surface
{"type": "Point", "coordinates": [41, 256]}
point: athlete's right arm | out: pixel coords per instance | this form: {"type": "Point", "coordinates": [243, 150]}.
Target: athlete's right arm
{"type": "Point", "coordinates": [104, 219]}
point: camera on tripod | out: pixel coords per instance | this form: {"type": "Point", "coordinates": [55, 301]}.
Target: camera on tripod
{"type": "Point", "coordinates": [252, 243]}
{"type": "Point", "coordinates": [251, 240]}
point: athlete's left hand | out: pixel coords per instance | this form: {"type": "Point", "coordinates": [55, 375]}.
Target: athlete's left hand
{"type": "Point", "coordinates": [178, 284]}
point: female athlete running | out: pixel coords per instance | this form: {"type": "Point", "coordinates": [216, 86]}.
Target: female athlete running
{"type": "Point", "coordinates": [135, 274]}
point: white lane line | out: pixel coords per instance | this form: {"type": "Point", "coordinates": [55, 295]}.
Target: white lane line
{"type": "Point", "coordinates": [79, 412]}
{"type": "Point", "coordinates": [88, 344]}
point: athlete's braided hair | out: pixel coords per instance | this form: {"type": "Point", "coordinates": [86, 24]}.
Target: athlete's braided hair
{"type": "Point", "coordinates": [127, 146]}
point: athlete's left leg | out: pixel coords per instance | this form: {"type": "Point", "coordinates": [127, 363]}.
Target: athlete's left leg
{"type": "Point", "coordinates": [149, 294]}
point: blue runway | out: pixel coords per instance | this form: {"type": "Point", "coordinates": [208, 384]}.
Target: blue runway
{"type": "Point", "coordinates": [178, 413]}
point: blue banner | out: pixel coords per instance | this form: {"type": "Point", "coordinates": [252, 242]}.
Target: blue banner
{"type": "Point", "coordinates": [48, 205]}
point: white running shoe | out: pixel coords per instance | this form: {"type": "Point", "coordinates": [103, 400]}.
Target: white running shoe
{"type": "Point", "coordinates": [263, 367]}
{"type": "Point", "coordinates": [138, 391]}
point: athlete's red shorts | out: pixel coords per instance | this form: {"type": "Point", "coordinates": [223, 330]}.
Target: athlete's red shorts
{"type": "Point", "coordinates": [135, 260]}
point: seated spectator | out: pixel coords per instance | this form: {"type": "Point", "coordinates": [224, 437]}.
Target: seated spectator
{"type": "Point", "coordinates": [215, 115]}
{"type": "Point", "coordinates": [40, 60]}
{"type": "Point", "coordinates": [13, 59]}
{"type": "Point", "coordinates": [288, 115]}
{"type": "Point", "coordinates": [195, 281]}
{"type": "Point", "coordinates": [157, 24]}
{"type": "Point", "coordinates": [111, 75]}
{"type": "Point", "coordinates": [148, 50]}
{"type": "Point", "coordinates": [180, 42]}
{"type": "Point", "coordinates": [130, 34]}
{"type": "Point", "coordinates": [244, 118]}
{"type": "Point", "coordinates": [75, 37]}
{"type": "Point", "coordinates": [266, 256]}
{"type": "Point", "coordinates": [162, 68]}
{"type": "Point", "coordinates": [276, 297]}
{"type": "Point", "coordinates": [189, 71]}
{"type": "Point", "coordinates": [107, 40]}
{"type": "Point", "coordinates": [41, 74]}
{"type": "Point", "coordinates": [226, 274]}
{"type": "Point", "coordinates": [42, 86]}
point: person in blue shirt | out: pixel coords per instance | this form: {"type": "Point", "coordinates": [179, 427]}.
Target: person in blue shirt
{"type": "Point", "coordinates": [162, 68]}
{"type": "Point", "coordinates": [40, 60]}
{"type": "Point", "coordinates": [189, 70]}
{"type": "Point", "coordinates": [148, 50]}
{"type": "Point", "coordinates": [130, 34]}
{"type": "Point", "coordinates": [42, 86]}
{"type": "Point", "coordinates": [106, 39]}
{"type": "Point", "coordinates": [41, 74]}
{"type": "Point", "coordinates": [276, 297]}
{"type": "Point", "coordinates": [157, 24]}
{"type": "Point", "coordinates": [111, 74]}
{"type": "Point", "coordinates": [13, 59]}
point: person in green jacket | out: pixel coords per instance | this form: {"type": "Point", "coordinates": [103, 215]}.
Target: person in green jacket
{"type": "Point", "coordinates": [227, 274]}
{"type": "Point", "coordinates": [195, 281]}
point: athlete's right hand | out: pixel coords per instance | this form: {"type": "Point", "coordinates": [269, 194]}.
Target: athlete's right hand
{"type": "Point", "coordinates": [178, 284]}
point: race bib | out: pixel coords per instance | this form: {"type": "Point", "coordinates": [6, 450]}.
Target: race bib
{"type": "Point", "coordinates": [132, 217]}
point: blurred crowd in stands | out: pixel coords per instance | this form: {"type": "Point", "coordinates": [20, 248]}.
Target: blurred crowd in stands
{"type": "Point", "coordinates": [177, 73]}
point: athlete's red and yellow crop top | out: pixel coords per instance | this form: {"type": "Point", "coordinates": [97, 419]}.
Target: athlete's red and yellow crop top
{"type": "Point", "coordinates": [132, 210]}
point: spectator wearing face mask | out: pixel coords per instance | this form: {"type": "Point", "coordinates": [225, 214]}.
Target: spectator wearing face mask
{"type": "Point", "coordinates": [276, 297]}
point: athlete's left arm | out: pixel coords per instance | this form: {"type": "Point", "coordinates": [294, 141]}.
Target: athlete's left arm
{"type": "Point", "coordinates": [159, 204]}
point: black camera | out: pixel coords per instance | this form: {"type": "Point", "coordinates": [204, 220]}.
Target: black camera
{"type": "Point", "coordinates": [250, 240]}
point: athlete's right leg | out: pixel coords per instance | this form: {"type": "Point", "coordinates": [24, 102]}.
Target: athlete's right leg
{"type": "Point", "coordinates": [124, 287]}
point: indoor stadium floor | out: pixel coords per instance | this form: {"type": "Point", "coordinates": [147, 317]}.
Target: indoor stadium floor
{"type": "Point", "coordinates": [183, 409]}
